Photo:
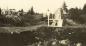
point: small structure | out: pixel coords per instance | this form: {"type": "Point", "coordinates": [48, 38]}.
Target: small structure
{"type": "Point", "coordinates": [8, 11]}
{"type": "Point", "coordinates": [56, 19]}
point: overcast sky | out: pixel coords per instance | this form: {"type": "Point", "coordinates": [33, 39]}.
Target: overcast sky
{"type": "Point", "coordinates": [40, 5]}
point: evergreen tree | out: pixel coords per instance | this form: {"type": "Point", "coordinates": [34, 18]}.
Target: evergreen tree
{"type": "Point", "coordinates": [22, 11]}
{"type": "Point", "coordinates": [64, 12]}
{"type": "Point", "coordinates": [31, 11]}
{"type": "Point", "coordinates": [65, 7]}
{"type": "Point", "coordinates": [0, 11]}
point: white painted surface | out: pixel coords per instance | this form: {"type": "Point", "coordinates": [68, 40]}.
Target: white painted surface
{"type": "Point", "coordinates": [56, 21]}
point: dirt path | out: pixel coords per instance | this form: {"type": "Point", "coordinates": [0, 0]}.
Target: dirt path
{"type": "Point", "coordinates": [30, 28]}
{"type": "Point", "coordinates": [20, 29]}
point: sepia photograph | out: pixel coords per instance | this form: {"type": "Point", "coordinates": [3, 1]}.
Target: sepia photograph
{"type": "Point", "coordinates": [42, 23]}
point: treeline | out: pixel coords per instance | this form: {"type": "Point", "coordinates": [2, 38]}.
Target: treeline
{"type": "Point", "coordinates": [23, 19]}
{"type": "Point", "coordinates": [78, 15]}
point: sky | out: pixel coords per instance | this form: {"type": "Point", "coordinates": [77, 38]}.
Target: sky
{"type": "Point", "coordinates": [40, 6]}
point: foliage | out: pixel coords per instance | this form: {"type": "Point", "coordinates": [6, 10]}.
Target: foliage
{"type": "Point", "coordinates": [31, 11]}
{"type": "Point", "coordinates": [46, 33]}
{"type": "Point", "coordinates": [75, 14]}
{"type": "Point", "coordinates": [21, 12]}
{"type": "Point", "coordinates": [65, 7]}
{"type": "Point", "coordinates": [0, 11]}
{"type": "Point", "coordinates": [84, 9]}
{"type": "Point", "coordinates": [19, 18]}
{"type": "Point", "coordinates": [78, 15]}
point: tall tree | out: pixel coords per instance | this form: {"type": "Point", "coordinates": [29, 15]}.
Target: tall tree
{"type": "Point", "coordinates": [32, 11]}
{"type": "Point", "coordinates": [65, 7]}
{"type": "Point", "coordinates": [0, 11]}
{"type": "Point", "coordinates": [64, 12]}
